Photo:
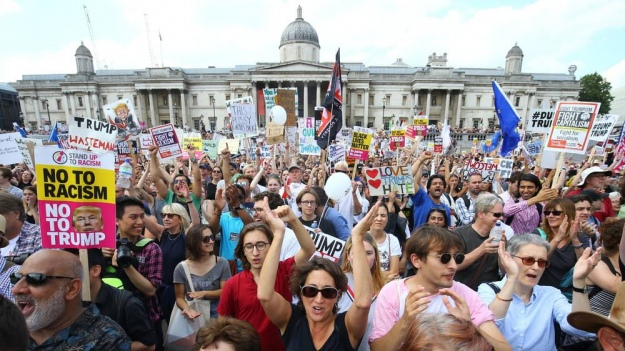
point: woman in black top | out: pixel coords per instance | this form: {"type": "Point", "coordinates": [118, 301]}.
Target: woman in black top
{"type": "Point", "coordinates": [211, 187]}
{"type": "Point", "coordinates": [25, 179]}
{"type": "Point", "coordinates": [30, 204]}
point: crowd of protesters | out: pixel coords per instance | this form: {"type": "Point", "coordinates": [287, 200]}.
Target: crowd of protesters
{"type": "Point", "coordinates": [419, 271]}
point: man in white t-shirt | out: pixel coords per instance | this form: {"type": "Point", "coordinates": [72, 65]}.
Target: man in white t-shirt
{"type": "Point", "coordinates": [295, 186]}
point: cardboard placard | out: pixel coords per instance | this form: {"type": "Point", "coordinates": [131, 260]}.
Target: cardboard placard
{"type": "Point", "coordinates": [307, 143]}
{"type": "Point", "coordinates": [233, 145]}
{"type": "Point", "coordinates": [504, 165]}
{"type": "Point", "coordinates": [25, 145]}
{"type": "Point", "coordinates": [121, 114]}
{"type": "Point", "coordinates": [336, 153]}
{"type": "Point", "coordinates": [210, 147]}
{"type": "Point", "coordinates": [602, 127]}
{"type": "Point", "coordinates": [540, 121]}
{"type": "Point", "coordinates": [166, 139]}
{"type": "Point", "coordinates": [243, 120]}
{"type": "Point", "coordinates": [487, 170]}
{"type": "Point", "coordinates": [274, 133]}
{"type": "Point", "coordinates": [9, 150]}
{"type": "Point", "coordinates": [286, 99]}
{"type": "Point", "coordinates": [398, 138]}
{"type": "Point", "coordinates": [383, 180]}
{"type": "Point", "coordinates": [438, 145]}
{"type": "Point", "coordinates": [571, 126]}
{"type": "Point", "coordinates": [92, 135]}
{"type": "Point", "coordinates": [361, 141]}
{"type": "Point", "coordinates": [328, 247]}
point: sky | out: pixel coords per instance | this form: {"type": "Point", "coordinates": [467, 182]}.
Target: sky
{"type": "Point", "coordinates": [41, 36]}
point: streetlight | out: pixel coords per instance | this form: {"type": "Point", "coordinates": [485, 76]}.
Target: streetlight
{"type": "Point", "coordinates": [48, 109]}
{"type": "Point", "coordinates": [383, 108]}
{"type": "Point", "coordinates": [214, 116]}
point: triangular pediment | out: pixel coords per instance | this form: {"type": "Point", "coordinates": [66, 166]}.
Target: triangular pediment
{"type": "Point", "coordinates": [294, 66]}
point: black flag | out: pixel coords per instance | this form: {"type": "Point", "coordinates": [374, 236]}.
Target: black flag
{"type": "Point", "coordinates": [332, 115]}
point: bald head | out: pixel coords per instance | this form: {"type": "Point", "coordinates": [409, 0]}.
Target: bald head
{"type": "Point", "coordinates": [54, 262]}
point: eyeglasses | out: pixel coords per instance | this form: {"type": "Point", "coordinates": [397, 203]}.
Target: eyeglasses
{"type": "Point", "coordinates": [555, 213]}
{"type": "Point", "coordinates": [312, 291]}
{"type": "Point", "coordinates": [216, 171]}
{"type": "Point", "coordinates": [208, 239]}
{"type": "Point", "coordinates": [529, 261]}
{"type": "Point", "coordinates": [34, 279]}
{"type": "Point", "coordinates": [308, 203]}
{"type": "Point", "coordinates": [169, 215]}
{"type": "Point", "coordinates": [260, 246]}
{"type": "Point", "coordinates": [496, 214]}
{"type": "Point", "coordinates": [446, 257]}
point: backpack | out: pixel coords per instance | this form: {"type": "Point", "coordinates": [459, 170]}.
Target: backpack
{"type": "Point", "coordinates": [539, 208]}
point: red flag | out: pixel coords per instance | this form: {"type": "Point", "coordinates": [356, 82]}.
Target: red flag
{"type": "Point", "coordinates": [286, 186]}
{"type": "Point", "coordinates": [332, 116]}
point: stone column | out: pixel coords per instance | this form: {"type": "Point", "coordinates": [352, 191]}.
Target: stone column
{"type": "Point", "coordinates": [73, 104]}
{"type": "Point", "coordinates": [318, 102]}
{"type": "Point", "coordinates": [352, 117]}
{"type": "Point", "coordinates": [140, 115]}
{"type": "Point", "coordinates": [95, 99]}
{"type": "Point", "coordinates": [413, 102]}
{"type": "Point", "coordinates": [416, 100]}
{"type": "Point", "coordinates": [36, 103]}
{"type": "Point", "coordinates": [153, 110]}
{"type": "Point", "coordinates": [170, 102]}
{"type": "Point", "coordinates": [343, 96]}
{"type": "Point", "coordinates": [88, 104]}
{"type": "Point", "coordinates": [183, 109]}
{"type": "Point", "coordinates": [366, 114]}
{"type": "Point", "coordinates": [279, 84]}
{"type": "Point", "coordinates": [428, 102]}
{"type": "Point", "coordinates": [305, 111]}
{"type": "Point", "coordinates": [447, 100]}
{"type": "Point", "coordinates": [66, 106]}
{"type": "Point", "coordinates": [458, 108]}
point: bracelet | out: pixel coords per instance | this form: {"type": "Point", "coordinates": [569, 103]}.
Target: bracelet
{"type": "Point", "coordinates": [500, 299]}
{"type": "Point", "coordinates": [579, 290]}
{"type": "Point", "coordinates": [578, 246]}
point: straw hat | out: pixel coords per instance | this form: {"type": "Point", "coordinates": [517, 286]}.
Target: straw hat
{"type": "Point", "coordinates": [592, 322]}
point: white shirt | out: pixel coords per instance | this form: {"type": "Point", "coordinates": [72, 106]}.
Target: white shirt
{"type": "Point", "coordinates": [290, 245]}
{"type": "Point", "coordinates": [388, 248]}
{"type": "Point", "coordinates": [8, 250]}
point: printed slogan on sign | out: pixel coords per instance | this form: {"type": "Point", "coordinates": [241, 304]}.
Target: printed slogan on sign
{"type": "Point", "coordinates": [76, 198]}
{"type": "Point", "coordinates": [384, 180]}
{"type": "Point", "coordinates": [571, 126]}
{"type": "Point", "coordinates": [361, 140]}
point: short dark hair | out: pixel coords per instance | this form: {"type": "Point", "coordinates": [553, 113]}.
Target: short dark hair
{"type": "Point", "coordinates": [186, 179]}
{"type": "Point", "coordinates": [529, 177]}
{"type": "Point", "coordinates": [193, 241]}
{"type": "Point", "coordinates": [6, 173]}
{"type": "Point", "coordinates": [240, 334]}
{"type": "Point", "coordinates": [579, 198]}
{"type": "Point", "coordinates": [515, 177]}
{"type": "Point", "coordinates": [274, 199]}
{"type": "Point", "coordinates": [239, 252]}
{"type": "Point", "coordinates": [301, 272]}
{"type": "Point", "coordinates": [125, 201]}
{"type": "Point", "coordinates": [13, 330]}
{"type": "Point", "coordinates": [435, 176]}
{"type": "Point", "coordinates": [323, 197]}
{"type": "Point", "coordinates": [12, 203]}
{"type": "Point", "coordinates": [426, 238]}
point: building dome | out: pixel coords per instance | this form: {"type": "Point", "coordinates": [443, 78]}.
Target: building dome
{"type": "Point", "coordinates": [83, 51]}
{"type": "Point", "coordinates": [515, 51]}
{"type": "Point", "coordinates": [299, 31]}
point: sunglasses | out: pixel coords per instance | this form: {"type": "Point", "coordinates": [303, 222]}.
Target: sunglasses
{"type": "Point", "coordinates": [34, 279]}
{"type": "Point", "coordinates": [496, 214]}
{"type": "Point", "coordinates": [208, 239]}
{"type": "Point", "coordinates": [446, 257]}
{"type": "Point", "coordinates": [312, 291]}
{"type": "Point", "coordinates": [529, 261]}
{"type": "Point", "coordinates": [216, 171]}
{"type": "Point", "coordinates": [555, 213]}
{"type": "Point", "coordinates": [169, 215]}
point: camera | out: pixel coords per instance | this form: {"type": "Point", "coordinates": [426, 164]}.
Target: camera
{"type": "Point", "coordinates": [124, 253]}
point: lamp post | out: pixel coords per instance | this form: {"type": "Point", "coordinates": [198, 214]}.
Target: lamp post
{"type": "Point", "coordinates": [48, 109]}
{"type": "Point", "coordinates": [383, 108]}
{"type": "Point", "coordinates": [214, 116]}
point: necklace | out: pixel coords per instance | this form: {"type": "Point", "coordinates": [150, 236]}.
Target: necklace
{"type": "Point", "coordinates": [176, 236]}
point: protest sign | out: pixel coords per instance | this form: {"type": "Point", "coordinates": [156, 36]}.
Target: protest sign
{"type": "Point", "coordinates": [383, 180]}
{"type": "Point", "coordinates": [534, 148]}
{"type": "Point", "coordinates": [540, 121]}
{"type": "Point", "coordinates": [398, 138]}
{"type": "Point", "coordinates": [420, 123]}
{"type": "Point", "coordinates": [504, 165]}
{"type": "Point", "coordinates": [337, 152]}
{"type": "Point", "coordinates": [121, 114]}
{"type": "Point", "coordinates": [602, 127]}
{"type": "Point", "coordinates": [22, 145]}
{"type": "Point", "coordinates": [307, 143]}
{"type": "Point", "coordinates": [487, 170]}
{"type": "Point", "coordinates": [291, 133]}
{"type": "Point", "coordinates": [274, 133]}
{"type": "Point", "coordinates": [270, 98]}
{"type": "Point", "coordinates": [166, 139]}
{"type": "Point", "coordinates": [233, 145]}
{"type": "Point", "coordinates": [327, 246]}
{"type": "Point", "coordinates": [243, 119]}
{"type": "Point", "coordinates": [411, 132]}
{"type": "Point", "coordinates": [242, 100]}
{"type": "Point", "coordinates": [92, 135]}
{"type": "Point", "coordinates": [286, 99]}
{"type": "Point", "coordinates": [265, 152]}
{"type": "Point", "coordinates": [192, 139]}
{"type": "Point", "coordinates": [210, 147]}
{"type": "Point", "coordinates": [76, 192]}
{"type": "Point", "coordinates": [571, 126]}
{"type": "Point", "coordinates": [361, 140]}
{"type": "Point", "coordinates": [9, 151]}
{"type": "Point", "coordinates": [438, 145]}
{"type": "Point", "coordinates": [145, 141]}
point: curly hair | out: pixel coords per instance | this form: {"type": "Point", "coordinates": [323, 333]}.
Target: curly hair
{"type": "Point", "coordinates": [240, 334]}
{"type": "Point", "coordinates": [300, 274]}
{"type": "Point", "coordinates": [611, 232]}
{"type": "Point", "coordinates": [432, 331]}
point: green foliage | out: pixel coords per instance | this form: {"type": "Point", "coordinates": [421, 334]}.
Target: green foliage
{"type": "Point", "coordinates": [595, 88]}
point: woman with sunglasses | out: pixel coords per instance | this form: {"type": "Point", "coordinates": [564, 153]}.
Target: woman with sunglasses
{"type": "Point", "coordinates": [347, 299]}
{"type": "Point", "coordinates": [567, 243]}
{"type": "Point", "coordinates": [524, 310]}
{"type": "Point", "coordinates": [211, 187]}
{"type": "Point", "coordinates": [315, 324]}
{"type": "Point", "coordinates": [208, 272]}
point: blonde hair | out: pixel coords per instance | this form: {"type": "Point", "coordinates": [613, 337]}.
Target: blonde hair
{"type": "Point", "coordinates": [179, 210]}
{"type": "Point", "coordinates": [376, 272]}
{"type": "Point", "coordinates": [433, 331]}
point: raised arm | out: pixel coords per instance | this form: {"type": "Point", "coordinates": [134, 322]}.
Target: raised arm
{"type": "Point", "coordinates": [195, 172]}
{"type": "Point", "coordinates": [157, 177]}
{"type": "Point", "coordinates": [307, 246]}
{"type": "Point", "coordinates": [417, 167]}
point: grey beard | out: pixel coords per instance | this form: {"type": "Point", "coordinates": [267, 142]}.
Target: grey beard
{"type": "Point", "coordinates": [47, 312]}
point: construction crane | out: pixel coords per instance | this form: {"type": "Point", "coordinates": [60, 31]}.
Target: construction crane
{"type": "Point", "coordinates": [95, 50]}
{"type": "Point", "coordinates": [147, 33]}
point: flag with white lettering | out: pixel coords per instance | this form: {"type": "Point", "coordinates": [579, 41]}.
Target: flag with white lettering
{"type": "Point", "coordinates": [332, 116]}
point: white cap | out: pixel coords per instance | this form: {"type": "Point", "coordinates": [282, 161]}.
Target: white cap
{"type": "Point", "coordinates": [591, 170]}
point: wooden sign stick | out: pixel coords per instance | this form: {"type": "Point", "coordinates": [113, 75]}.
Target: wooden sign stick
{"type": "Point", "coordinates": [86, 288]}
{"type": "Point", "coordinates": [556, 177]}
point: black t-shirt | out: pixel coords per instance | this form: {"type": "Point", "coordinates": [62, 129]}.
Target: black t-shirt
{"type": "Point", "coordinates": [297, 335]}
{"type": "Point", "coordinates": [210, 190]}
{"type": "Point", "coordinates": [326, 226]}
{"type": "Point", "coordinates": [490, 272]}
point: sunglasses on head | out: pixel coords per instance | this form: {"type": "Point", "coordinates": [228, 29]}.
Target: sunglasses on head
{"type": "Point", "coordinates": [207, 239]}
{"type": "Point", "coordinates": [529, 261]}
{"type": "Point", "coordinates": [312, 291]}
{"type": "Point", "coordinates": [34, 279]}
{"type": "Point", "coordinates": [555, 213]}
{"type": "Point", "coordinates": [446, 257]}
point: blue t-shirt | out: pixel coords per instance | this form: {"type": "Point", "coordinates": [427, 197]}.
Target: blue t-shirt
{"type": "Point", "coordinates": [422, 204]}
{"type": "Point", "coordinates": [230, 229]}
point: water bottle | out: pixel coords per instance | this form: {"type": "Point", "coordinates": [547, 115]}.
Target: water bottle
{"type": "Point", "coordinates": [125, 172]}
{"type": "Point", "coordinates": [314, 225]}
{"type": "Point", "coordinates": [496, 232]}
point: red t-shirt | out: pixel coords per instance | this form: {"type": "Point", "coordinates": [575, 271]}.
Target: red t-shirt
{"type": "Point", "coordinates": [238, 299]}
{"type": "Point", "coordinates": [606, 210]}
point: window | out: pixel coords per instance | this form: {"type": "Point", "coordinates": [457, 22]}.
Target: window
{"type": "Point", "coordinates": [371, 100]}
{"type": "Point", "coordinates": [134, 100]}
{"type": "Point", "coordinates": [165, 101]}
{"type": "Point", "coordinates": [359, 99]}
{"type": "Point", "coordinates": [477, 102]}
{"type": "Point", "coordinates": [80, 101]}
{"type": "Point", "coordinates": [539, 103]}
{"type": "Point", "coordinates": [517, 101]}
{"type": "Point", "coordinates": [358, 123]}
{"type": "Point", "coordinates": [388, 100]}
{"type": "Point", "coordinates": [314, 54]}
{"type": "Point", "coordinates": [464, 100]}
{"type": "Point", "coordinates": [239, 96]}
{"type": "Point", "coordinates": [476, 123]}
{"type": "Point", "coordinates": [369, 124]}
{"type": "Point", "coordinates": [194, 100]}
{"type": "Point", "coordinates": [347, 99]}
{"type": "Point", "coordinates": [104, 100]}
{"type": "Point", "coordinates": [387, 122]}
{"type": "Point", "coordinates": [491, 123]}
{"type": "Point", "coordinates": [119, 97]}
{"type": "Point", "coordinates": [404, 100]}
{"type": "Point", "coordinates": [196, 123]}
{"type": "Point", "coordinates": [59, 106]}
{"type": "Point", "coordinates": [227, 97]}
{"type": "Point", "coordinates": [461, 124]}
{"type": "Point", "coordinates": [434, 102]}
{"type": "Point", "coordinates": [44, 104]}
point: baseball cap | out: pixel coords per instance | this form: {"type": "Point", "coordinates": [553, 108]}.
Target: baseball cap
{"type": "Point", "coordinates": [295, 166]}
{"type": "Point", "coordinates": [592, 321]}
{"type": "Point", "coordinates": [205, 166]}
{"type": "Point", "coordinates": [594, 195]}
{"type": "Point", "coordinates": [234, 165]}
{"type": "Point", "coordinates": [3, 226]}
{"type": "Point", "coordinates": [592, 170]}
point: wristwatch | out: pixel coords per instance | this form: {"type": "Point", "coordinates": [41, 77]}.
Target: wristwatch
{"type": "Point", "coordinates": [584, 290]}
{"type": "Point", "coordinates": [239, 208]}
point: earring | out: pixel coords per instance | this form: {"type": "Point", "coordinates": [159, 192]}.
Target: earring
{"type": "Point", "coordinates": [335, 308]}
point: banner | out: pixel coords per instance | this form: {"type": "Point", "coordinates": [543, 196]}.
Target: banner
{"type": "Point", "coordinates": [398, 138]}
{"type": "Point", "coordinates": [540, 121]}
{"type": "Point", "coordinates": [243, 120]}
{"type": "Point", "coordinates": [328, 247]}
{"type": "Point", "coordinates": [92, 135]}
{"type": "Point", "coordinates": [210, 147]}
{"type": "Point", "coordinates": [571, 126]}
{"type": "Point", "coordinates": [602, 127]}
{"type": "Point", "coordinates": [337, 152]}
{"type": "Point", "coordinates": [504, 165]}
{"type": "Point", "coordinates": [242, 100]}
{"type": "Point", "coordinates": [166, 138]}
{"type": "Point", "coordinates": [286, 99]}
{"type": "Point", "coordinates": [76, 191]}
{"type": "Point", "coordinates": [121, 114]}
{"type": "Point", "coordinates": [22, 145]}
{"type": "Point", "coordinates": [438, 145]}
{"type": "Point", "coordinates": [420, 124]}
{"type": "Point", "coordinates": [307, 143]}
{"type": "Point", "coordinates": [9, 150]}
{"type": "Point", "coordinates": [383, 180]}
{"type": "Point", "coordinates": [361, 140]}
{"type": "Point", "coordinates": [487, 170]}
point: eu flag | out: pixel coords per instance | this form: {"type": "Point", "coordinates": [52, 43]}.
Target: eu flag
{"type": "Point", "coordinates": [508, 121]}
{"type": "Point", "coordinates": [54, 134]}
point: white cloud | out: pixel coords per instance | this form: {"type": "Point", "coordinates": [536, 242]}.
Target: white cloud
{"type": "Point", "coordinates": [8, 7]}
{"type": "Point", "coordinates": [616, 75]}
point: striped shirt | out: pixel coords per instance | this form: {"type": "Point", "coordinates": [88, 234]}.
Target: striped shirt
{"type": "Point", "coordinates": [526, 218]}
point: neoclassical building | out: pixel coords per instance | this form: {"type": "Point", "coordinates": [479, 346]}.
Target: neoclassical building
{"type": "Point", "coordinates": [372, 95]}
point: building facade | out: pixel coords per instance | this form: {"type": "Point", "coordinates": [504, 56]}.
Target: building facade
{"type": "Point", "coordinates": [373, 96]}
{"type": "Point", "coordinates": [9, 107]}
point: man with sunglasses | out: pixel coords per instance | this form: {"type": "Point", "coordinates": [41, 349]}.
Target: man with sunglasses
{"type": "Point", "coordinates": [435, 253]}
{"type": "Point", "coordinates": [480, 264]}
{"type": "Point", "coordinates": [47, 288]}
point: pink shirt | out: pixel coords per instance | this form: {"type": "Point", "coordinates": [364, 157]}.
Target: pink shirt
{"type": "Point", "coordinates": [390, 306]}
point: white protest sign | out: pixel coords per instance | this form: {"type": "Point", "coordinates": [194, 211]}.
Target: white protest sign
{"type": "Point", "coordinates": [166, 138]}
{"type": "Point", "coordinates": [92, 135]}
{"type": "Point", "coordinates": [243, 119]}
{"type": "Point", "coordinates": [504, 166]}
{"type": "Point", "coordinates": [337, 152]}
{"type": "Point", "coordinates": [265, 152]}
{"type": "Point", "coordinates": [487, 170]}
{"type": "Point", "coordinates": [145, 141]}
{"type": "Point", "coordinates": [22, 144]}
{"type": "Point", "coordinates": [602, 127]}
{"type": "Point", "coordinates": [233, 145]}
{"type": "Point", "coordinates": [308, 144]}
{"type": "Point", "coordinates": [383, 180]}
{"type": "Point", "coordinates": [328, 247]}
{"type": "Point", "coordinates": [121, 114]}
{"type": "Point", "coordinates": [243, 100]}
{"type": "Point", "coordinates": [570, 130]}
{"type": "Point", "coordinates": [540, 121]}
{"type": "Point", "coordinates": [9, 151]}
